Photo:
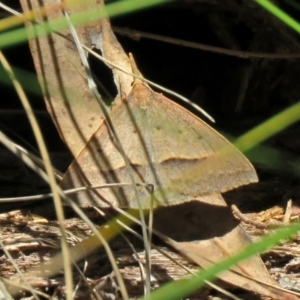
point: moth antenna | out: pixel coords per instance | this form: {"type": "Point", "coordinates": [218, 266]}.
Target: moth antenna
{"type": "Point", "coordinates": [135, 71]}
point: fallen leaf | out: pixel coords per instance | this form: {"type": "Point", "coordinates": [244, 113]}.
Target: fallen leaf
{"type": "Point", "coordinates": [205, 232]}
{"type": "Point", "coordinates": [72, 106]}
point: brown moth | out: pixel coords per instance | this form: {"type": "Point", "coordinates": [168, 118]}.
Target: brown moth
{"type": "Point", "coordinates": [166, 145]}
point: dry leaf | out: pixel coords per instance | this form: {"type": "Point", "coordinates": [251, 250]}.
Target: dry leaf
{"type": "Point", "coordinates": [206, 233]}
{"type": "Point", "coordinates": [71, 104]}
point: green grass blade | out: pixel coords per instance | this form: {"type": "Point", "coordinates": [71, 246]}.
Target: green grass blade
{"type": "Point", "coordinates": [280, 14]}
{"type": "Point", "coordinates": [269, 128]}
{"type": "Point", "coordinates": [19, 35]}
